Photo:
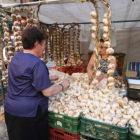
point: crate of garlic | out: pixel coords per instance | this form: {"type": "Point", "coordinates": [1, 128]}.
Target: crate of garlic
{"type": "Point", "coordinates": [133, 135]}
{"type": "Point", "coordinates": [95, 101]}
{"type": "Point", "coordinates": [64, 122]}
{"type": "Point", "coordinates": [101, 130]}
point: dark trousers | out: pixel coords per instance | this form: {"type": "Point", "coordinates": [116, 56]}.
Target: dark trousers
{"type": "Point", "coordinates": [28, 128]}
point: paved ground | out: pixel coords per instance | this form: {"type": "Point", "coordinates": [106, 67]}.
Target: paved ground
{"type": "Point", "coordinates": [3, 130]}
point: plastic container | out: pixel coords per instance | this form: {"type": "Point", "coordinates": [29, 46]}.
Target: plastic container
{"type": "Point", "coordinates": [123, 90]}
{"type": "Point", "coordinates": [103, 131]}
{"type": "Point", "coordinates": [82, 137]}
{"type": "Point", "coordinates": [58, 134]}
{"type": "Point", "coordinates": [132, 135]}
{"type": "Point", "coordinates": [71, 124]}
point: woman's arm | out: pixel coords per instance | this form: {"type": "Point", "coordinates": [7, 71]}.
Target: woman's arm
{"type": "Point", "coordinates": [54, 77]}
{"type": "Point", "coordinates": [102, 76]}
{"type": "Point", "coordinates": [90, 65]}
{"type": "Point", "coordinates": [115, 63]}
{"type": "Point", "coordinates": [56, 88]}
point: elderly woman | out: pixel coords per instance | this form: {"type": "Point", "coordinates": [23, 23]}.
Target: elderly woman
{"type": "Point", "coordinates": [29, 86]}
{"type": "Point", "coordinates": [103, 62]}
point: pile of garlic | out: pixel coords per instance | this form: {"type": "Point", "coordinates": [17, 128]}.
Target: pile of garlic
{"type": "Point", "coordinates": [61, 75]}
{"type": "Point", "coordinates": [101, 105]}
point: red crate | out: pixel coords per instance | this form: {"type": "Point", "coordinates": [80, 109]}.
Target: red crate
{"type": "Point", "coordinates": [58, 134]}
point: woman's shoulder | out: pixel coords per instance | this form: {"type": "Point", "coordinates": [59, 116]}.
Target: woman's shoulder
{"type": "Point", "coordinates": [26, 58]}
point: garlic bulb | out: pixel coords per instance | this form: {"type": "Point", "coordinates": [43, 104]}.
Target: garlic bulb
{"type": "Point", "coordinates": [110, 72]}
{"type": "Point", "coordinates": [93, 35]}
{"type": "Point", "coordinates": [105, 29]}
{"type": "Point", "coordinates": [93, 14]}
{"type": "Point", "coordinates": [93, 21]}
{"type": "Point", "coordinates": [111, 59]}
{"type": "Point", "coordinates": [94, 28]}
{"type": "Point", "coordinates": [105, 15]}
{"type": "Point", "coordinates": [132, 122]}
{"type": "Point", "coordinates": [105, 21]}
{"type": "Point", "coordinates": [107, 44]}
{"type": "Point", "coordinates": [110, 79]}
{"type": "Point", "coordinates": [98, 73]}
{"type": "Point", "coordinates": [105, 36]}
{"type": "Point", "coordinates": [110, 51]}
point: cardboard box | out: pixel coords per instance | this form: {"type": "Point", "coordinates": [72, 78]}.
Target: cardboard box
{"type": "Point", "coordinates": [132, 74]}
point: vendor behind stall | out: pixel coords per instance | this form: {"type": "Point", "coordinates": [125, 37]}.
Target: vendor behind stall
{"type": "Point", "coordinates": [29, 86]}
{"type": "Point", "coordinates": [103, 62]}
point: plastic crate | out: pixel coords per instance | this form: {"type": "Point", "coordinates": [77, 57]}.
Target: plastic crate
{"type": "Point", "coordinates": [103, 131]}
{"type": "Point", "coordinates": [64, 122]}
{"type": "Point", "coordinates": [59, 134]}
{"type": "Point", "coordinates": [82, 137]}
{"type": "Point", "coordinates": [132, 135]}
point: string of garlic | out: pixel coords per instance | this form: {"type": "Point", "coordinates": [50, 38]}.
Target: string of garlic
{"type": "Point", "coordinates": [2, 63]}
{"type": "Point", "coordinates": [16, 28]}
{"type": "Point", "coordinates": [79, 61]}
{"type": "Point", "coordinates": [95, 36]}
{"type": "Point", "coordinates": [107, 44]}
{"type": "Point", "coordinates": [71, 61]}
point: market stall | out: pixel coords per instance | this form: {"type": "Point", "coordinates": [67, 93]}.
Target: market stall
{"type": "Point", "coordinates": [89, 108]}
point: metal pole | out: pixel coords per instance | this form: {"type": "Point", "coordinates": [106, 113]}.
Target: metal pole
{"type": "Point", "coordinates": [43, 2]}
{"type": "Point", "coordinates": [90, 22]}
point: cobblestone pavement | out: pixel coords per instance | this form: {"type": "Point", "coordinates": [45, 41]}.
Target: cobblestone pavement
{"type": "Point", "coordinates": [3, 129]}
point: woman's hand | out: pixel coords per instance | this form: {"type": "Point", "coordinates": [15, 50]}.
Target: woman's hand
{"type": "Point", "coordinates": [101, 77]}
{"type": "Point", "coordinates": [66, 83]}
{"type": "Point", "coordinates": [54, 77]}
{"type": "Point", "coordinates": [90, 73]}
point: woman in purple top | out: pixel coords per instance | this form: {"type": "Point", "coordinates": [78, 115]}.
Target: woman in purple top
{"type": "Point", "coordinates": [29, 86]}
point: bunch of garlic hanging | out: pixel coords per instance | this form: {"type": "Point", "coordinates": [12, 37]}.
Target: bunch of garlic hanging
{"type": "Point", "coordinates": [107, 44]}
{"type": "Point", "coordinates": [56, 39]}
{"type": "Point", "coordinates": [2, 69]}
{"type": "Point", "coordinates": [8, 47]}
{"type": "Point", "coordinates": [30, 20]}
{"type": "Point", "coordinates": [95, 36]}
{"type": "Point", "coordinates": [17, 32]}
{"type": "Point", "coordinates": [49, 45]}
{"type": "Point", "coordinates": [79, 61]}
{"type": "Point", "coordinates": [7, 40]}
{"type": "Point", "coordinates": [94, 24]}
{"type": "Point", "coordinates": [66, 43]}
{"type": "Point", "coordinates": [71, 61]}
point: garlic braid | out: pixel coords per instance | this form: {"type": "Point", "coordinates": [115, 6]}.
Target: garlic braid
{"type": "Point", "coordinates": [95, 36]}
{"type": "Point", "coordinates": [107, 43]}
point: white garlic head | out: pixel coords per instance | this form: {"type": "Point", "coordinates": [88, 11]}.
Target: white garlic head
{"type": "Point", "coordinates": [93, 14]}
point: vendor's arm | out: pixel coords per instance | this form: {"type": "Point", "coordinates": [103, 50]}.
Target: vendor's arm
{"type": "Point", "coordinates": [90, 65]}
{"type": "Point", "coordinates": [54, 89]}
{"type": "Point", "coordinates": [54, 77]}
{"type": "Point", "coordinates": [102, 76]}
{"type": "Point", "coordinates": [115, 63]}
